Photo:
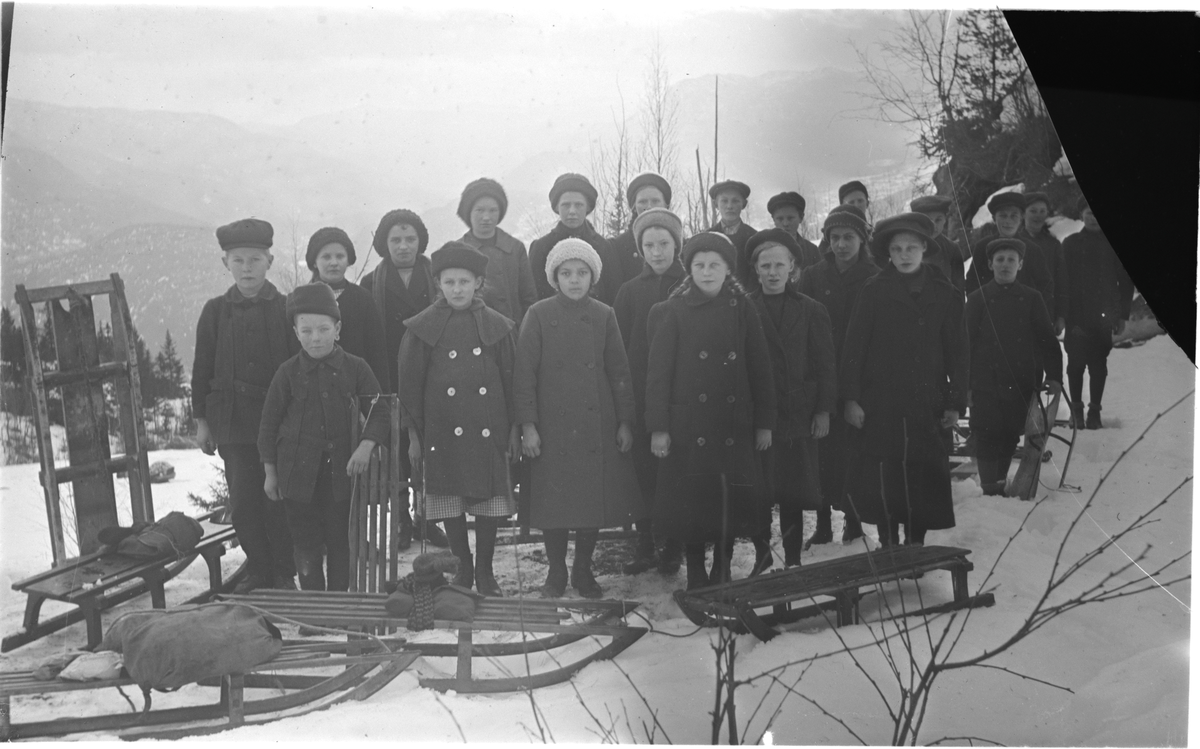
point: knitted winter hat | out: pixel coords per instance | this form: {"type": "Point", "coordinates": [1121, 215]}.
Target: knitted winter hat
{"type": "Point", "coordinates": [661, 218]}
{"type": "Point", "coordinates": [709, 241]}
{"type": "Point", "coordinates": [848, 217]}
{"type": "Point", "coordinates": [730, 185]}
{"type": "Point", "coordinates": [570, 182]}
{"type": "Point", "coordinates": [481, 188]}
{"type": "Point", "coordinates": [915, 223]}
{"type": "Point", "coordinates": [1006, 200]}
{"type": "Point", "coordinates": [312, 298]}
{"type": "Point", "coordinates": [455, 254]}
{"type": "Point", "coordinates": [649, 179]}
{"type": "Point", "coordinates": [572, 248]}
{"type": "Point", "coordinates": [852, 186]}
{"type": "Point", "coordinates": [930, 204]}
{"type": "Point", "coordinates": [794, 199]}
{"type": "Point", "coordinates": [760, 240]}
{"type": "Point", "coordinates": [326, 236]}
{"type": "Point", "coordinates": [1038, 197]}
{"type": "Point", "coordinates": [401, 216]}
{"type": "Point", "coordinates": [1006, 243]}
{"type": "Point", "coordinates": [248, 232]}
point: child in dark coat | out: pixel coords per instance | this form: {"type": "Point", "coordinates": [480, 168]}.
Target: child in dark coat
{"type": "Point", "coordinates": [710, 404]}
{"type": "Point", "coordinates": [574, 400]}
{"type": "Point", "coordinates": [241, 339]}
{"type": "Point", "coordinates": [304, 438]}
{"type": "Point", "coordinates": [456, 369]}
{"type": "Point", "coordinates": [659, 235]}
{"type": "Point", "coordinates": [1012, 343]}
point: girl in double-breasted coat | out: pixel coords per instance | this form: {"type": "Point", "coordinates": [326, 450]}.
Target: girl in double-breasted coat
{"type": "Point", "coordinates": [800, 339]}
{"type": "Point", "coordinates": [574, 401]}
{"type": "Point", "coordinates": [456, 367]}
{"type": "Point", "coordinates": [903, 375]}
{"type": "Point", "coordinates": [710, 403]}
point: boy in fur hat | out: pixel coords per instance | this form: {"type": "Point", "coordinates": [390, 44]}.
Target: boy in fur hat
{"type": "Point", "coordinates": [509, 288]}
{"type": "Point", "coordinates": [241, 339]}
{"type": "Point", "coordinates": [573, 198]}
{"type": "Point", "coordinates": [304, 437]}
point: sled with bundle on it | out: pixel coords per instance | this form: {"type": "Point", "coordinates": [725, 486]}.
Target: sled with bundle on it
{"type": "Point", "coordinates": [840, 581]}
{"type": "Point", "coordinates": [360, 668]}
{"type": "Point", "coordinates": [1040, 422]}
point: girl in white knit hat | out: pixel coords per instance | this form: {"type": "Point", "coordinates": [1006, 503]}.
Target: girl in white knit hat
{"type": "Point", "coordinates": [574, 402]}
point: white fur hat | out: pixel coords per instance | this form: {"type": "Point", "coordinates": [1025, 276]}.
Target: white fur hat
{"type": "Point", "coordinates": [572, 248]}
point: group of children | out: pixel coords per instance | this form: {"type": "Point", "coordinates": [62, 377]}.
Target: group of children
{"type": "Point", "coordinates": [690, 387]}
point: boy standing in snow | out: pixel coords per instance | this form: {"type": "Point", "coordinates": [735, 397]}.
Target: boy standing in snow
{"type": "Point", "coordinates": [304, 437]}
{"type": "Point", "coordinates": [241, 339]}
{"type": "Point", "coordinates": [787, 211]}
{"type": "Point", "coordinates": [945, 253]}
{"type": "Point", "coordinates": [730, 198]}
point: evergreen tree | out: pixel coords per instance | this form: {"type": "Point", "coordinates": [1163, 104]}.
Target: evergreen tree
{"type": "Point", "coordinates": [168, 369]}
{"type": "Point", "coordinates": [12, 349]}
{"type": "Point", "coordinates": [146, 373]}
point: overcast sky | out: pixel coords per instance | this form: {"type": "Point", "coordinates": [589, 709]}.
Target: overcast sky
{"type": "Point", "coordinates": [278, 65]}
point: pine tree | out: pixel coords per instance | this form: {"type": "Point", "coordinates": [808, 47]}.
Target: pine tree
{"type": "Point", "coordinates": [168, 369]}
{"type": "Point", "coordinates": [146, 374]}
{"type": "Point", "coordinates": [12, 349]}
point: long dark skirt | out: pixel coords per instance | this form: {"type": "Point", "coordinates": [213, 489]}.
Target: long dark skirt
{"type": "Point", "coordinates": [914, 493]}
{"type": "Point", "coordinates": [791, 471]}
{"type": "Point", "coordinates": [696, 508]}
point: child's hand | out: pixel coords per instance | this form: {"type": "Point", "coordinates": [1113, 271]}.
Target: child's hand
{"type": "Point", "coordinates": [531, 441]}
{"type": "Point", "coordinates": [660, 444]}
{"type": "Point", "coordinates": [762, 439]}
{"type": "Point", "coordinates": [514, 444]}
{"type": "Point", "coordinates": [414, 448]}
{"type": "Point", "coordinates": [624, 437]}
{"type": "Point", "coordinates": [949, 418]}
{"type": "Point", "coordinates": [271, 483]}
{"type": "Point", "coordinates": [820, 424]}
{"type": "Point", "coordinates": [854, 414]}
{"type": "Point", "coordinates": [361, 458]}
{"type": "Point", "coordinates": [204, 438]}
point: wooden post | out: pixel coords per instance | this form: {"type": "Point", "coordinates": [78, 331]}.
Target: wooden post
{"type": "Point", "coordinates": [129, 399]}
{"type": "Point", "coordinates": [464, 656]}
{"type": "Point", "coordinates": [235, 684]}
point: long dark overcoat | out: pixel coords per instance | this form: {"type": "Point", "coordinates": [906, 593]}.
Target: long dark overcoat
{"type": "Point", "coordinates": [1052, 251]}
{"type": "Point", "coordinates": [400, 302]}
{"type": "Point", "coordinates": [632, 308]}
{"type": "Point", "coordinates": [362, 332]}
{"type": "Point", "coordinates": [611, 275]}
{"type": "Point", "coordinates": [709, 386]}
{"type": "Point", "coordinates": [905, 363]}
{"type": "Point", "coordinates": [805, 374]}
{"type": "Point", "coordinates": [508, 285]}
{"type": "Point", "coordinates": [572, 381]}
{"type": "Point", "coordinates": [1012, 342]}
{"type": "Point", "coordinates": [456, 372]}
{"type": "Point", "coordinates": [1035, 268]}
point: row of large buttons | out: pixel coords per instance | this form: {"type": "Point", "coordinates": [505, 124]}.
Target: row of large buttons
{"type": "Point", "coordinates": [731, 357]}
{"type": "Point", "coordinates": [454, 354]}
{"type": "Point", "coordinates": [458, 432]}
{"type": "Point", "coordinates": [700, 441]}
{"type": "Point", "coordinates": [452, 391]}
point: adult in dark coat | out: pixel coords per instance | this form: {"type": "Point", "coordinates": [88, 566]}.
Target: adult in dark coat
{"type": "Point", "coordinates": [730, 199]}
{"type": "Point", "coordinates": [710, 394]}
{"type": "Point", "coordinates": [330, 254]}
{"type": "Point", "coordinates": [800, 339]}
{"type": "Point", "coordinates": [660, 233]}
{"type": "Point", "coordinates": [835, 282]}
{"type": "Point", "coordinates": [1035, 231]}
{"type": "Point", "coordinates": [903, 375]}
{"type": "Point", "coordinates": [787, 211]}
{"type": "Point", "coordinates": [1101, 299]}
{"type": "Point", "coordinates": [573, 198]}
{"type": "Point", "coordinates": [401, 286]}
{"type": "Point", "coordinates": [645, 191]}
{"type": "Point", "coordinates": [1012, 344]}
{"type": "Point", "coordinates": [1008, 210]}
{"type": "Point", "coordinates": [509, 287]}
{"type": "Point", "coordinates": [946, 253]}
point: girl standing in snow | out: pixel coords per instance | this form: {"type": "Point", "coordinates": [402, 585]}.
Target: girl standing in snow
{"type": "Point", "coordinates": [710, 403]}
{"type": "Point", "coordinates": [574, 400]}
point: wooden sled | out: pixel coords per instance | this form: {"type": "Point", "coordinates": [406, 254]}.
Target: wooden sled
{"type": "Point", "coordinates": [101, 580]}
{"type": "Point", "coordinates": [1040, 422]}
{"type": "Point", "coordinates": [364, 667]}
{"type": "Point", "coordinates": [735, 603]}
{"type": "Point", "coordinates": [548, 619]}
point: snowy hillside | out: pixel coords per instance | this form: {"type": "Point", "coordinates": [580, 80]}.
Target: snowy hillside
{"type": "Point", "coordinates": [1111, 674]}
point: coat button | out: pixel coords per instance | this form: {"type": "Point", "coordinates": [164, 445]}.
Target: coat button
{"type": "Point", "coordinates": [730, 399]}
{"type": "Point", "coordinates": [703, 354]}
{"type": "Point", "coordinates": [700, 441]}
{"type": "Point", "coordinates": [827, 292]}
{"type": "Point", "coordinates": [486, 432]}
{"type": "Point", "coordinates": [483, 391]}
{"type": "Point", "coordinates": [457, 431]}
{"type": "Point", "coordinates": [732, 302]}
{"type": "Point", "coordinates": [920, 321]}
{"type": "Point", "coordinates": [732, 355]}
{"type": "Point", "coordinates": [453, 354]}
{"type": "Point", "coordinates": [324, 395]}
{"type": "Point", "coordinates": [591, 365]}
{"type": "Point", "coordinates": [328, 445]}
{"type": "Point", "coordinates": [477, 351]}
{"type": "Point", "coordinates": [729, 441]}
{"type": "Point", "coordinates": [703, 397]}
{"type": "Point", "coordinates": [450, 392]}
{"type": "Point", "coordinates": [554, 323]}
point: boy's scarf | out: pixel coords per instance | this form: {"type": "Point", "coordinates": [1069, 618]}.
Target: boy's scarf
{"type": "Point", "coordinates": [421, 586]}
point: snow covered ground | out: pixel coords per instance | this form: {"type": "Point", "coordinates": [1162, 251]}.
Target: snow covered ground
{"type": "Point", "coordinates": [1123, 666]}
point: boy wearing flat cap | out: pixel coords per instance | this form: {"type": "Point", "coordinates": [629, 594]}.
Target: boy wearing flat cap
{"type": "Point", "coordinates": [730, 199]}
{"type": "Point", "coordinates": [945, 253]}
{"type": "Point", "coordinates": [1011, 344]}
{"type": "Point", "coordinates": [1035, 230]}
{"type": "Point", "coordinates": [304, 438]}
{"type": "Point", "coordinates": [645, 191]}
{"type": "Point", "coordinates": [787, 211]}
{"type": "Point", "coordinates": [1008, 210]}
{"type": "Point", "coordinates": [573, 198]}
{"type": "Point", "coordinates": [241, 339]}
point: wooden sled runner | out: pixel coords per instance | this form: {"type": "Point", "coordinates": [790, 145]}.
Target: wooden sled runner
{"type": "Point", "coordinates": [839, 579]}
{"type": "Point", "coordinates": [548, 620]}
{"type": "Point", "coordinates": [363, 668]}
{"type": "Point", "coordinates": [1040, 422]}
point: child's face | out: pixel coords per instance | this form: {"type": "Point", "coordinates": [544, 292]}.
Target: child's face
{"type": "Point", "coordinates": [858, 199]}
{"type": "Point", "coordinates": [774, 266]}
{"type": "Point", "coordinates": [1008, 220]}
{"type": "Point", "coordinates": [459, 285]}
{"type": "Point", "coordinates": [572, 209]}
{"type": "Point", "coordinates": [332, 262]}
{"type": "Point", "coordinates": [647, 198]}
{"type": "Point", "coordinates": [1004, 265]}
{"type": "Point", "coordinates": [730, 205]}
{"type": "Point", "coordinates": [939, 222]}
{"type": "Point", "coordinates": [403, 245]}
{"type": "Point", "coordinates": [1036, 215]}
{"type": "Point", "coordinates": [709, 271]}
{"type": "Point", "coordinates": [248, 266]}
{"type": "Point", "coordinates": [574, 279]}
{"type": "Point", "coordinates": [787, 218]}
{"type": "Point", "coordinates": [906, 250]}
{"type": "Point", "coordinates": [845, 243]}
{"type": "Point", "coordinates": [317, 333]}
{"type": "Point", "coordinates": [485, 217]}
{"type": "Point", "coordinates": [658, 248]}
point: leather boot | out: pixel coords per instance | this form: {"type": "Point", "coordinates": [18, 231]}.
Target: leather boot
{"type": "Point", "coordinates": [670, 557]}
{"type": "Point", "coordinates": [460, 546]}
{"type": "Point", "coordinates": [722, 563]}
{"type": "Point", "coordinates": [851, 529]}
{"type": "Point", "coordinates": [1077, 421]}
{"type": "Point", "coordinates": [643, 556]}
{"type": "Point", "coordinates": [556, 555]}
{"type": "Point", "coordinates": [582, 579]}
{"type": "Point", "coordinates": [429, 530]}
{"type": "Point", "coordinates": [824, 532]}
{"type": "Point", "coordinates": [485, 549]}
{"type": "Point", "coordinates": [987, 477]}
{"type": "Point", "coordinates": [1093, 417]}
{"type": "Point", "coordinates": [697, 575]}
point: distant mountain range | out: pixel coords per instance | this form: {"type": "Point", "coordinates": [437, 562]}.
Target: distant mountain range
{"type": "Point", "coordinates": [90, 191]}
